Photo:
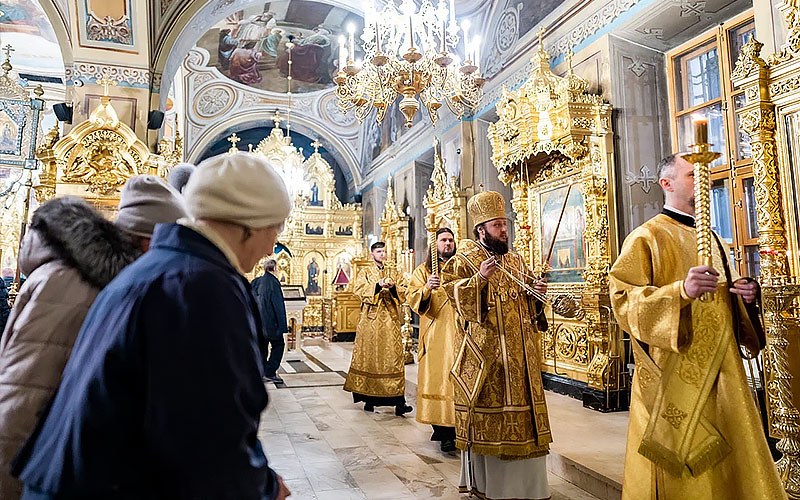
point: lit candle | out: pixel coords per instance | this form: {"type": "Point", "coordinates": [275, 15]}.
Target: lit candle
{"type": "Point", "coordinates": [700, 130]}
{"type": "Point", "coordinates": [444, 35]}
{"type": "Point", "coordinates": [377, 36]}
{"type": "Point", "coordinates": [342, 53]}
{"type": "Point", "coordinates": [465, 26]}
{"type": "Point", "coordinates": [452, 11]}
{"type": "Point", "coordinates": [476, 41]}
{"type": "Point", "coordinates": [351, 31]}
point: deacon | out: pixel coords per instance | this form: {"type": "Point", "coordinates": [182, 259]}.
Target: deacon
{"type": "Point", "coordinates": [694, 430]}
{"type": "Point", "coordinates": [377, 370]}
{"type": "Point", "coordinates": [501, 417]}
{"type": "Point", "coordinates": [437, 349]}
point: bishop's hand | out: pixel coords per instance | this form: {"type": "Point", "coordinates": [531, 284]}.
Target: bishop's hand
{"type": "Point", "coordinates": [488, 267]}
{"type": "Point", "coordinates": [434, 282]}
{"type": "Point", "coordinates": [700, 280]}
{"type": "Point", "coordinates": [540, 285]}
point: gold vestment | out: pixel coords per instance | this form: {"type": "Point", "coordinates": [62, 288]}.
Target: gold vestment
{"type": "Point", "coordinates": [509, 417]}
{"type": "Point", "coordinates": [694, 431]}
{"type": "Point", "coordinates": [378, 365]}
{"type": "Point", "coordinates": [437, 350]}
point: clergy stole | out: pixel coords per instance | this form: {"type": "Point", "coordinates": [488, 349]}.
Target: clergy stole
{"type": "Point", "coordinates": [378, 364]}
{"type": "Point", "coordinates": [500, 405]}
{"type": "Point", "coordinates": [437, 350]}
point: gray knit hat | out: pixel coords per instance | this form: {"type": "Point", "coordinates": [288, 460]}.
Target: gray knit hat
{"type": "Point", "coordinates": [179, 175]}
{"type": "Point", "coordinates": [146, 200]}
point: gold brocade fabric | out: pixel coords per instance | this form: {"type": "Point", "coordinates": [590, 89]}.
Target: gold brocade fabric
{"type": "Point", "coordinates": [437, 350]}
{"type": "Point", "coordinates": [726, 456]}
{"type": "Point", "coordinates": [509, 419]}
{"type": "Point", "coordinates": [378, 364]}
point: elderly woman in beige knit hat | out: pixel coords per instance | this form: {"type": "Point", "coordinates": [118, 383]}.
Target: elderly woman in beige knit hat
{"type": "Point", "coordinates": [163, 393]}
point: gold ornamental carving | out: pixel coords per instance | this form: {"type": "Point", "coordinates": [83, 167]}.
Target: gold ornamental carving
{"type": "Point", "coordinates": [445, 202]}
{"type": "Point", "coordinates": [99, 155]}
{"type": "Point", "coordinates": [552, 133]}
{"type": "Point", "coordinates": [770, 89]}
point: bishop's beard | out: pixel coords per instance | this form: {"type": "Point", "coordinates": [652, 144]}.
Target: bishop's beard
{"type": "Point", "coordinates": [495, 245]}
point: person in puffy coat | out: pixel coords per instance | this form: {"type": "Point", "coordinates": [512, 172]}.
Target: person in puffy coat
{"type": "Point", "coordinates": [69, 254]}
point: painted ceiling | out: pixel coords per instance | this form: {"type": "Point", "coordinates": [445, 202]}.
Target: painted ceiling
{"type": "Point", "coordinates": [250, 46]}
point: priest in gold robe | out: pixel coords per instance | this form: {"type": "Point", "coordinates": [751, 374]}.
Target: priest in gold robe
{"type": "Point", "coordinates": [437, 349]}
{"type": "Point", "coordinates": [377, 370]}
{"type": "Point", "coordinates": [501, 416]}
{"type": "Point", "coordinates": [694, 430]}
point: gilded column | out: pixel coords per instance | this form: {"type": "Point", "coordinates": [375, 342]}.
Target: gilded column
{"type": "Point", "coordinates": [779, 290]}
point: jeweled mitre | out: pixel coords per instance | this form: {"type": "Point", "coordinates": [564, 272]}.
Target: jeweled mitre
{"type": "Point", "coordinates": [486, 206]}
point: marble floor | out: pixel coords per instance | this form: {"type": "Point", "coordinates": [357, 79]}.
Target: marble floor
{"type": "Point", "coordinates": [327, 448]}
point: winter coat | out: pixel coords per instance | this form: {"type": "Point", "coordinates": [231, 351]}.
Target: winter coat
{"type": "Point", "coordinates": [269, 297]}
{"type": "Point", "coordinates": [162, 396]}
{"type": "Point", "coordinates": [5, 310]}
{"type": "Point", "coordinates": [69, 254]}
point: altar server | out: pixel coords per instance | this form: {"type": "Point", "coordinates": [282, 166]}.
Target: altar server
{"type": "Point", "coordinates": [694, 430]}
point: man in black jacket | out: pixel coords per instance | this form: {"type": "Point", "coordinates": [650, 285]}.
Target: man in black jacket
{"type": "Point", "coordinates": [267, 290]}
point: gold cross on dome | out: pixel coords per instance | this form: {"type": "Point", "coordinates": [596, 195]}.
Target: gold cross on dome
{"type": "Point", "coordinates": [316, 145]}
{"type": "Point", "coordinates": [568, 57]}
{"type": "Point", "coordinates": [277, 118]}
{"type": "Point", "coordinates": [105, 82]}
{"type": "Point", "coordinates": [8, 49]}
{"type": "Point", "coordinates": [541, 37]}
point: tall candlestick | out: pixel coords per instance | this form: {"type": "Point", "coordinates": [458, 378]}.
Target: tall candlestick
{"type": "Point", "coordinates": [700, 130]}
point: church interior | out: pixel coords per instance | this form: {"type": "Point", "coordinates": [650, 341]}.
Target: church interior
{"type": "Point", "coordinates": [565, 108]}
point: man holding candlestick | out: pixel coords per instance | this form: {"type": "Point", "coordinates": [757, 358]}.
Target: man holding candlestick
{"type": "Point", "coordinates": [377, 370]}
{"type": "Point", "coordinates": [437, 343]}
{"type": "Point", "coordinates": [694, 430]}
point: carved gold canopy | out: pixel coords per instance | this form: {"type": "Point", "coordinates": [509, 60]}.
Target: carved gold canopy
{"type": "Point", "coordinates": [548, 113]}
{"type": "Point", "coordinates": [97, 156]}
{"type": "Point", "coordinates": [553, 141]}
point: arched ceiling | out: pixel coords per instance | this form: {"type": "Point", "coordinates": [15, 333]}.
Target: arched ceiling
{"type": "Point", "coordinates": [30, 28]}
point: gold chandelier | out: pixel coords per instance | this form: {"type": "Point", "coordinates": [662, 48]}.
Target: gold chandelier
{"type": "Point", "coordinates": [409, 52]}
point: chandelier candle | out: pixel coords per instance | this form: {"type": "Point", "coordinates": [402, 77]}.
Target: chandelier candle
{"type": "Point", "coordinates": [702, 156]}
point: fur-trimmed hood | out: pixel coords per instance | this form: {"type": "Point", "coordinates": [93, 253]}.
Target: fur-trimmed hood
{"type": "Point", "coordinates": [70, 230]}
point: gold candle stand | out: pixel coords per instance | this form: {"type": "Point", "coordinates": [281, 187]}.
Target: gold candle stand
{"type": "Point", "coordinates": [702, 156]}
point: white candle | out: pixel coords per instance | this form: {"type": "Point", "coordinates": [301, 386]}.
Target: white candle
{"type": "Point", "coordinates": [410, 32]}
{"type": "Point", "coordinates": [377, 35]}
{"type": "Point", "coordinates": [476, 41]}
{"type": "Point", "coordinates": [444, 35]}
{"type": "Point", "coordinates": [342, 53]}
{"type": "Point", "coordinates": [452, 11]}
{"type": "Point", "coordinates": [351, 31]}
{"type": "Point", "coordinates": [465, 27]}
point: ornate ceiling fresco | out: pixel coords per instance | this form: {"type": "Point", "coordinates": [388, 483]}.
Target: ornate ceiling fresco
{"type": "Point", "coordinates": [249, 46]}
{"type": "Point", "coordinates": [25, 26]}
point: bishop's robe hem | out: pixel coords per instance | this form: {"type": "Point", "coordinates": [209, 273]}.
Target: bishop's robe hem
{"type": "Point", "coordinates": [378, 365]}
{"type": "Point", "coordinates": [437, 350]}
{"type": "Point", "coordinates": [508, 418]}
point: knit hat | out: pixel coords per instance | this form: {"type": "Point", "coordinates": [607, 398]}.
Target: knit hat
{"type": "Point", "coordinates": [147, 200]}
{"type": "Point", "coordinates": [238, 187]}
{"type": "Point", "coordinates": [179, 175]}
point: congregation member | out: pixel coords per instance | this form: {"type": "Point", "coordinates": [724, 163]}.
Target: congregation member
{"type": "Point", "coordinates": [179, 176]}
{"type": "Point", "coordinates": [437, 344]}
{"type": "Point", "coordinates": [504, 430]}
{"type": "Point", "coordinates": [69, 253]}
{"type": "Point", "coordinates": [163, 393]}
{"type": "Point", "coordinates": [377, 370]}
{"type": "Point", "coordinates": [694, 430]}
{"type": "Point", "coordinates": [269, 296]}
{"type": "Point", "coordinates": [146, 200]}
